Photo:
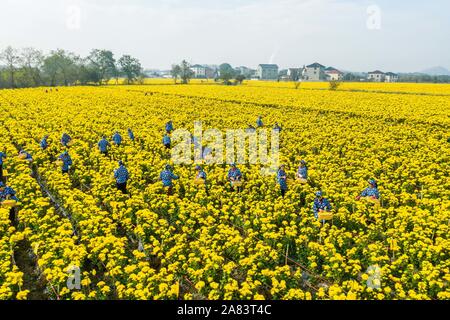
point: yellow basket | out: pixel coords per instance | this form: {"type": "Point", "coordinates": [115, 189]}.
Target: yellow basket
{"type": "Point", "coordinates": [324, 215]}
{"type": "Point", "coordinates": [22, 156]}
{"type": "Point", "coordinates": [236, 183]}
{"type": "Point", "coordinates": [199, 181]}
{"type": "Point", "coordinates": [70, 143]}
{"type": "Point", "coordinates": [302, 181]}
{"type": "Point", "coordinates": [372, 200]}
{"type": "Point", "coordinates": [9, 203]}
{"type": "Point", "coordinates": [59, 163]}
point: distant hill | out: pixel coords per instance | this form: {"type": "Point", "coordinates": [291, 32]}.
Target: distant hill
{"type": "Point", "coordinates": [436, 71]}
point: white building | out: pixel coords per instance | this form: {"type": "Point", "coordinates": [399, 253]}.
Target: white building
{"type": "Point", "coordinates": [391, 77]}
{"type": "Point", "coordinates": [333, 74]}
{"type": "Point", "coordinates": [199, 71]}
{"type": "Point", "coordinates": [376, 76]}
{"type": "Point", "coordinates": [314, 72]}
{"type": "Point", "coordinates": [267, 72]}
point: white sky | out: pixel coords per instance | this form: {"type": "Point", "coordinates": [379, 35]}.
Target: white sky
{"type": "Point", "coordinates": [412, 35]}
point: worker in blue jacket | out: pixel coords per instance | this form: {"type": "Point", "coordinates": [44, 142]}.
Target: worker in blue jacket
{"type": "Point", "coordinates": [167, 176]}
{"type": "Point", "coordinates": [66, 162]}
{"type": "Point", "coordinates": [371, 191]}
{"type": "Point", "coordinates": [234, 175]}
{"type": "Point", "coordinates": [130, 134]}
{"type": "Point", "coordinates": [259, 122]}
{"type": "Point", "coordinates": [282, 180]}
{"type": "Point", "coordinates": [117, 138]}
{"type": "Point", "coordinates": [169, 126]}
{"type": "Point", "coordinates": [26, 156]}
{"type": "Point", "coordinates": [44, 143]}
{"type": "Point", "coordinates": [166, 141]}
{"type": "Point", "coordinates": [8, 193]}
{"type": "Point", "coordinates": [65, 139]}
{"type": "Point", "coordinates": [2, 156]}
{"type": "Point", "coordinates": [121, 175]}
{"type": "Point", "coordinates": [302, 172]}
{"type": "Point", "coordinates": [320, 204]}
{"type": "Point", "coordinates": [103, 145]}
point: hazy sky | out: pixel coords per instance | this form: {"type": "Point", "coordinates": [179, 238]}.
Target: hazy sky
{"type": "Point", "coordinates": [352, 35]}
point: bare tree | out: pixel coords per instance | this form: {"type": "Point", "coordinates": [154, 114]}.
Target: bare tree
{"type": "Point", "coordinates": [32, 61]}
{"type": "Point", "coordinates": [12, 60]}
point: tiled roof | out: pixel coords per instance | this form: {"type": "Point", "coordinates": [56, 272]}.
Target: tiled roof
{"type": "Point", "coordinates": [315, 65]}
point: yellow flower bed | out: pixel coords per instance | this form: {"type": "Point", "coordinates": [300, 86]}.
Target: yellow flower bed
{"type": "Point", "coordinates": [223, 245]}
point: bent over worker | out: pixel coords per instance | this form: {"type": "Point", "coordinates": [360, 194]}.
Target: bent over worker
{"type": "Point", "coordinates": [166, 177]}
{"type": "Point", "coordinates": [320, 204]}
{"type": "Point", "coordinates": [121, 175]}
{"type": "Point", "coordinates": [8, 193]}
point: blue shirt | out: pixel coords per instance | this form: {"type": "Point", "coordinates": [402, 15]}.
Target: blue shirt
{"type": "Point", "coordinates": [166, 177]}
{"type": "Point", "coordinates": [371, 192]}
{"type": "Point", "coordinates": [8, 191]}
{"type": "Point", "coordinates": [166, 140]}
{"type": "Point", "coordinates": [67, 161]}
{"type": "Point", "coordinates": [323, 204]}
{"type": "Point", "coordinates": [303, 172]}
{"type": "Point", "coordinates": [65, 139]}
{"type": "Point", "coordinates": [43, 144]}
{"type": "Point", "coordinates": [196, 142]}
{"type": "Point", "coordinates": [121, 174]}
{"type": "Point", "coordinates": [259, 122]}
{"type": "Point", "coordinates": [282, 181]}
{"type": "Point", "coordinates": [27, 155]}
{"type": "Point", "coordinates": [201, 175]}
{"type": "Point", "coordinates": [2, 156]}
{"type": "Point", "coordinates": [169, 126]}
{"type": "Point", "coordinates": [206, 152]}
{"type": "Point", "coordinates": [103, 145]}
{"type": "Point", "coordinates": [130, 134]}
{"type": "Point", "coordinates": [236, 174]}
{"type": "Point", "coordinates": [117, 138]}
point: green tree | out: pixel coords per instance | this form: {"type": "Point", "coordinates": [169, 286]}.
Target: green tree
{"type": "Point", "coordinates": [103, 63]}
{"type": "Point", "coordinates": [130, 67]}
{"type": "Point", "coordinates": [226, 72]}
{"type": "Point", "coordinates": [334, 85]}
{"type": "Point", "coordinates": [61, 67]}
{"type": "Point", "coordinates": [186, 73]}
{"type": "Point", "coordinates": [175, 72]}
{"type": "Point", "coordinates": [239, 78]}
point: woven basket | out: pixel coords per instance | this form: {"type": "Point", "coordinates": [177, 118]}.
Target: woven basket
{"type": "Point", "coordinates": [9, 203]}
{"type": "Point", "coordinates": [325, 215]}
{"type": "Point", "coordinates": [236, 183]}
{"type": "Point", "coordinates": [199, 181]}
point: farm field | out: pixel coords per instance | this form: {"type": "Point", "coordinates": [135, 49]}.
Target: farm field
{"type": "Point", "coordinates": [221, 244]}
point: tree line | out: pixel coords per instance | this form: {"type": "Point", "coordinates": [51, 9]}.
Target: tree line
{"type": "Point", "coordinates": [30, 67]}
{"type": "Point", "coordinates": [225, 72]}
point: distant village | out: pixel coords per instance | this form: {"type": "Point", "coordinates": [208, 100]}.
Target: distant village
{"type": "Point", "coordinates": [313, 72]}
